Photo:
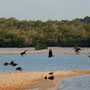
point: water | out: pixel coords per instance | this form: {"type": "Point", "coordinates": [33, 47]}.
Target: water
{"type": "Point", "coordinates": [75, 83]}
{"type": "Point", "coordinates": [41, 62]}
{"type": "Point", "coordinates": [34, 89]}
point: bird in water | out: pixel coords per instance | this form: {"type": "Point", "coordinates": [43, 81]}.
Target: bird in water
{"type": "Point", "coordinates": [77, 50]}
{"type": "Point", "coordinates": [24, 52]}
{"type": "Point", "coordinates": [50, 53]}
{"type": "Point", "coordinates": [6, 63]}
{"type": "Point", "coordinates": [19, 69]}
{"type": "Point", "coordinates": [12, 62]}
{"type": "Point", "coordinates": [89, 56]}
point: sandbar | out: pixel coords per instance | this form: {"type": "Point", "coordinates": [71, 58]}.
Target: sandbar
{"type": "Point", "coordinates": [30, 80]}
{"type": "Point", "coordinates": [56, 50]}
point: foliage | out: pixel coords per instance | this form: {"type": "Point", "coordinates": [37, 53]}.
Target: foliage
{"type": "Point", "coordinates": [40, 46]}
{"type": "Point", "coordinates": [39, 34]}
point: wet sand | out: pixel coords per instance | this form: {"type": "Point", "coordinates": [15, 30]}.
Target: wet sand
{"type": "Point", "coordinates": [56, 50]}
{"type": "Point", "coordinates": [30, 80]}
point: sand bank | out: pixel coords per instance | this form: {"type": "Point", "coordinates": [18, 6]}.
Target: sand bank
{"type": "Point", "coordinates": [25, 80]}
{"type": "Point", "coordinates": [56, 50]}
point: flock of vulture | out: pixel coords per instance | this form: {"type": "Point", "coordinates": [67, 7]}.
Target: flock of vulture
{"type": "Point", "coordinates": [12, 63]}
{"type": "Point", "coordinates": [51, 77]}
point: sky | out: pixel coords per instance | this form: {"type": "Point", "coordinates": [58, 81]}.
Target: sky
{"type": "Point", "coordinates": [44, 9]}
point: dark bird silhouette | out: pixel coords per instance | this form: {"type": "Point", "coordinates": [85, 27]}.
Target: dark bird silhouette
{"type": "Point", "coordinates": [77, 50]}
{"type": "Point", "coordinates": [51, 77]}
{"type": "Point", "coordinates": [24, 52]}
{"type": "Point", "coordinates": [51, 73]}
{"type": "Point", "coordinates": [11, 63]}
{"type": "Point", "coordinates": [45, 77]}
{"type": "Point", "coordinates": [19, 69]}
{"type": "Point", "coordinates": [50, 53]}
{"type": "Point", "coordinates": [6, 63]}
{"type": "Point", "coordinates": [89, 56]}
{"type": "Point", "coordinates": [14, 64]}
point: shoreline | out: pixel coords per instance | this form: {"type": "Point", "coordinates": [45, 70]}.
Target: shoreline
{"type": "Point", "coordinates": [56, 50]}
{"type": "Point", "coordinates": [31, 80]}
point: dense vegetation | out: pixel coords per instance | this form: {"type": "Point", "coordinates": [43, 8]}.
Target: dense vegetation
{"type": "Point", "coordinates": [65, 33]}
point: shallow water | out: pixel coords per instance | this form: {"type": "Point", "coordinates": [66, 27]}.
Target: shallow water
{"type": "Point", "coordinates": [75, 83]}
{"type": "Point", "coordinates": [41, 62]}
{"type": "Point", "coordinates": [34, 89]}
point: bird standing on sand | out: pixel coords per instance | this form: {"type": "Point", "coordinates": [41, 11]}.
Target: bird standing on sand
{"type": "Point", "coordinates": [50, 53]}
{"type": "Point", "coordinates": [51, 77]}
{"type": "Point", "coordinates": [51, 73]}
{"type": "Point", "coordinates": [45, 77]}
{"type": "Point", "coordinates": [24, 52]}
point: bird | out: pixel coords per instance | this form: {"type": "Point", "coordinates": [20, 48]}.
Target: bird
{"type": "Point", "coordinates": [6, 63]}
{"type": "Point", "coordinates": [50, 53]}
{"type": "Point", "coordinates": [51, 77]}
{"type": "Point", "coordinates": [11, 63]}
{"type": "Point", "coordinates": [45, 77]}
{"type": "Point", "coordinates": [51, 73]}
{"type": "Point", "coordinates": [77, 50]}
{"type": "Point", "coordinates": [24, 52]}
{"type": "Point", "coordinates": [19, 69]}
{"type": "Point", "coordinates": [14, 64]}
{"type": "Point", "coordinates": [89, 56]}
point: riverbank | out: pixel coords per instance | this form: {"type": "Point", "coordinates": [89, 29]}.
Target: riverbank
{"type": "Point", "coordinates": [56, 50]}
{"type": "Point", "coordinates": [30, 80]}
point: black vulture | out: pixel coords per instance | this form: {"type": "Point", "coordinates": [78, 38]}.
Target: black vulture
{"type": "Point", "coordinates": [50, 53]}
{"type": "Point", "coordinates": [12, 62]}
{"type": "Point", "coordinates": [51, 77]}
{"type": "Point", "coordinates": [89, 56]}
{"type": "Point", "coordinates": [45, 77]}
{"type": "Point", "coordinates": [24, 52]}
{"type": "Point", "coordinates": [19, 69]}
{"type": "Point", "coordinates": [6, 63]}
{"type": "Point", "coordinates": [77, 50]}
{"type": "Point", "coordinates": [51, 73]}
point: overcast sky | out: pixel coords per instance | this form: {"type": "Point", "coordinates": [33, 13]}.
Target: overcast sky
{"type": "Point", "coordinates": [44, 9]}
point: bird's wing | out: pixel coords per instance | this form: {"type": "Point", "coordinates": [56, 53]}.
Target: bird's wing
{"type": "Point", "coordinates": [77, 52]}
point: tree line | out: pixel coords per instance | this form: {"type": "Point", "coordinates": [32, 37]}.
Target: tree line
{"type": "Point", "coordinates": [40, 34]}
